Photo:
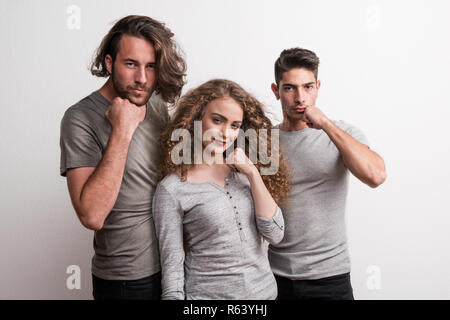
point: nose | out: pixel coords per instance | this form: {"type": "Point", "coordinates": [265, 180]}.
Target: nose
{"type": "Point", "coordinates": [299, 97]}
{"type": "Point", "coordinates": [224, 132]}
{"type": "Point", "coordinates": [140, 76]}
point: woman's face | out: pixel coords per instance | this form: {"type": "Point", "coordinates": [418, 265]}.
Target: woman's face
{"type": "Point", "coordinates": [221, 121]}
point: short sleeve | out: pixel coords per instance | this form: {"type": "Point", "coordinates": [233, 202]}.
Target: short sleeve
{"type": "Point", "coordinates": [159, 109]}
{"type": "Point", "coordinates": [79, 147]}
{"type": "Point", "coordinates": [354, 132]}
{"type": "Point", "coordinates": [168, 218]}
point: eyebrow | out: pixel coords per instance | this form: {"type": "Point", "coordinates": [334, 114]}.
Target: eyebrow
{"type": "Point", "coordinates": [293, 85]}
{"type": "Point", "coordinates": [221, 116]}
{"type": "Point", "coordinates": [136, 62]}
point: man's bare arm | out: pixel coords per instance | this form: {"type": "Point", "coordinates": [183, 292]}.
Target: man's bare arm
{"type": "Point", "coordinates": [363, 163]}
{"type": "Point", "coordinates": [94, 190]}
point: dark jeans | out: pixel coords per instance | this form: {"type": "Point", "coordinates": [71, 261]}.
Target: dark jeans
{"type": "Point", "coordinates": [148, 288]}
{"type": "Point", "coordinates": [330, 288]}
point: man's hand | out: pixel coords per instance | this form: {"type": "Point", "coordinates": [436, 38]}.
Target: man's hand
{"type": "Point", "coordinates": [314, 117]}
{"type": "Point", "coordinates": [125, 116]}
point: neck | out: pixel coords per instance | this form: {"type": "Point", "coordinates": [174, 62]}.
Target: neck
{"type": "Point", "coordinates": [210, 162]}
{"type": "Point", "coordinates": [108, 91]}
{"type": "Point", "coordinates": [211, 168]}
{"type": "Point", "coordinates": [292, 124]}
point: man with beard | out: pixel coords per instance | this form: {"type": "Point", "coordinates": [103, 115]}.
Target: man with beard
{"type": "Point", "coordinates": [110, 154]}
{"type": "Point", "coordinates": [312, 261]}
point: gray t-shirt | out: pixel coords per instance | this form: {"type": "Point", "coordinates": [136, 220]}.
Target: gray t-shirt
{"type": "Point", "coordinates": [315, 241]}
{"type": "Point", "coordinates": [126, 246]}
{"type": "Point", "coordinates": [227, 258]}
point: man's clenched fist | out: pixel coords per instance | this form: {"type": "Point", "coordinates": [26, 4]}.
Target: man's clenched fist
{"type": "Point", "coordinates": [125, 116]}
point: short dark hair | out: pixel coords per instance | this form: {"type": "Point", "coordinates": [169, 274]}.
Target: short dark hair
{"type": "Point", "coordinates": [296, 58]}
{"type": "Point", "coordinates": [170, 66]}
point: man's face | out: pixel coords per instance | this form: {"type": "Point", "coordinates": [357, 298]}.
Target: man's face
{"type": "Point", "coordinates": [297, 88]}
{"type": "Point", "coordinates": [133, 73]}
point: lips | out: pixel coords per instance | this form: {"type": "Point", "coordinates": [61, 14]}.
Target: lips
{"type": "Point", "coordinates": [299, 109]}
{"type": "Point", "coordinates": [138, 91]}
{"type": "Point", "coordinates": [220, 142]}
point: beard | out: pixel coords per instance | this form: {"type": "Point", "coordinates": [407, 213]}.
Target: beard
{"type": "Point", "coordinates": [125, 91]}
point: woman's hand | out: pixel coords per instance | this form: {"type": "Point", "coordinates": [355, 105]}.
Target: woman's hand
{"type": "Point", "coordinates": [241, 162]}
{"type": "Point", "coordinates": [265, 206]}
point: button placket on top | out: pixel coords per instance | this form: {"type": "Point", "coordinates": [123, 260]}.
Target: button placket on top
{"type": "Point", "coordinates": [235, 210]}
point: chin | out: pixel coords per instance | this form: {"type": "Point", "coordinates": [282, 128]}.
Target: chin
{"type": "Point", "coordinates": [139, 101]}
{"type": "Point", "coordinates": [218, 150]}
{"type": "Point", "coordinates": [213, 149]}
{"type": "Point", "coordinates": [296, 116]}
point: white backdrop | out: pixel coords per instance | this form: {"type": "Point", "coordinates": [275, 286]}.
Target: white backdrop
{"type": "Point", "coordinates": [385, 67]}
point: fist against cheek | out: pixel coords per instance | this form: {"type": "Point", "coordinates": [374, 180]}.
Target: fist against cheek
{"type": "Point", "coordinates": [124, 115]}
{"type": "Point", "coordinates": [314, 117]}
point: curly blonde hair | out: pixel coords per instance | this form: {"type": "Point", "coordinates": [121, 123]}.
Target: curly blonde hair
{"type": "Point", "coordinates": [190, 108]}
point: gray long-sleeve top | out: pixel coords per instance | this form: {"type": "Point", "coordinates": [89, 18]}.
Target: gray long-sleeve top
{"type": "Point", "coordinates": [227, 258]}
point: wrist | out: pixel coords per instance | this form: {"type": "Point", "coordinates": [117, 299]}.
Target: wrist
{"type": "Point", "coordinates": [253, 173]}
{"type": "Point", "coordinates": [326, 124]}
{"type": "Point", "coordinates": [122, 134]}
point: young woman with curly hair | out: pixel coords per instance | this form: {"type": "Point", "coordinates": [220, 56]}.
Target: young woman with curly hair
{"type": "Point", "coordinates": [211, 218]}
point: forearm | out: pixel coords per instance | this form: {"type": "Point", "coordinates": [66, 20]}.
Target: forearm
{"type": "Point", "coordinates": [265, 206]}
{"type": "Point", "coordinates": [362, 162]}
{"type": "Point", "coordinates": [100, 191]}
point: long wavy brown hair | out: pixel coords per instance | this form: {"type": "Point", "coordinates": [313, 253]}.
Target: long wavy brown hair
{"type": "Point", "coordinates": [170, 65]}
{"type": "Point", "coordinates": [190, 107]}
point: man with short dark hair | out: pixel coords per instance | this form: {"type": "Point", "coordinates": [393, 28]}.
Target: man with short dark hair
{"type": "Point", "coordinates": [110, 155]}
{"type": "Point", "coordinates": [312, 261]}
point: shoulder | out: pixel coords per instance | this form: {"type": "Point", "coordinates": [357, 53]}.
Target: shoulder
{"type": "Point", "coordinates": [159, 108]}
{"type": "Point", "coordinates": [352, 130]}
{"type": "Point", "coordinates": [343, 125]}
{"type": "Point", "coordinates": [87, 109]}
{"type": "Point", "coordinates": [169, 183]}
{"type": "Point", "coordinates": [169, 192]}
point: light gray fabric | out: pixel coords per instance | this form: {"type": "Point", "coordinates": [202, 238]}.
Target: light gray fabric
{"type": "Point", "coordinates": [126, 247]}
{"type": "Point", "coordinates": [227, 258]}
{"type": "Point", "coordinates": [315, 241]}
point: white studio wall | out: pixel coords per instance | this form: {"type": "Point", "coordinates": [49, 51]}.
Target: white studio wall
{"type": "Point", "coordinates": [385, 68]}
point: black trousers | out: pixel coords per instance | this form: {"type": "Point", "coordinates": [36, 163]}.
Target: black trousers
{"type": "Point", "coordinates": [331, 288]}
{"type": "Point", "coordinates": [148, 288]}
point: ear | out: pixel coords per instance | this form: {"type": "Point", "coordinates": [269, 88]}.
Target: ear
{"type": "Point", "coordinates": [108, 63]}
{"type": "Point", "coordinates": [318, 84]}
{"type": "Point", "coordinates": [274, 88]}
